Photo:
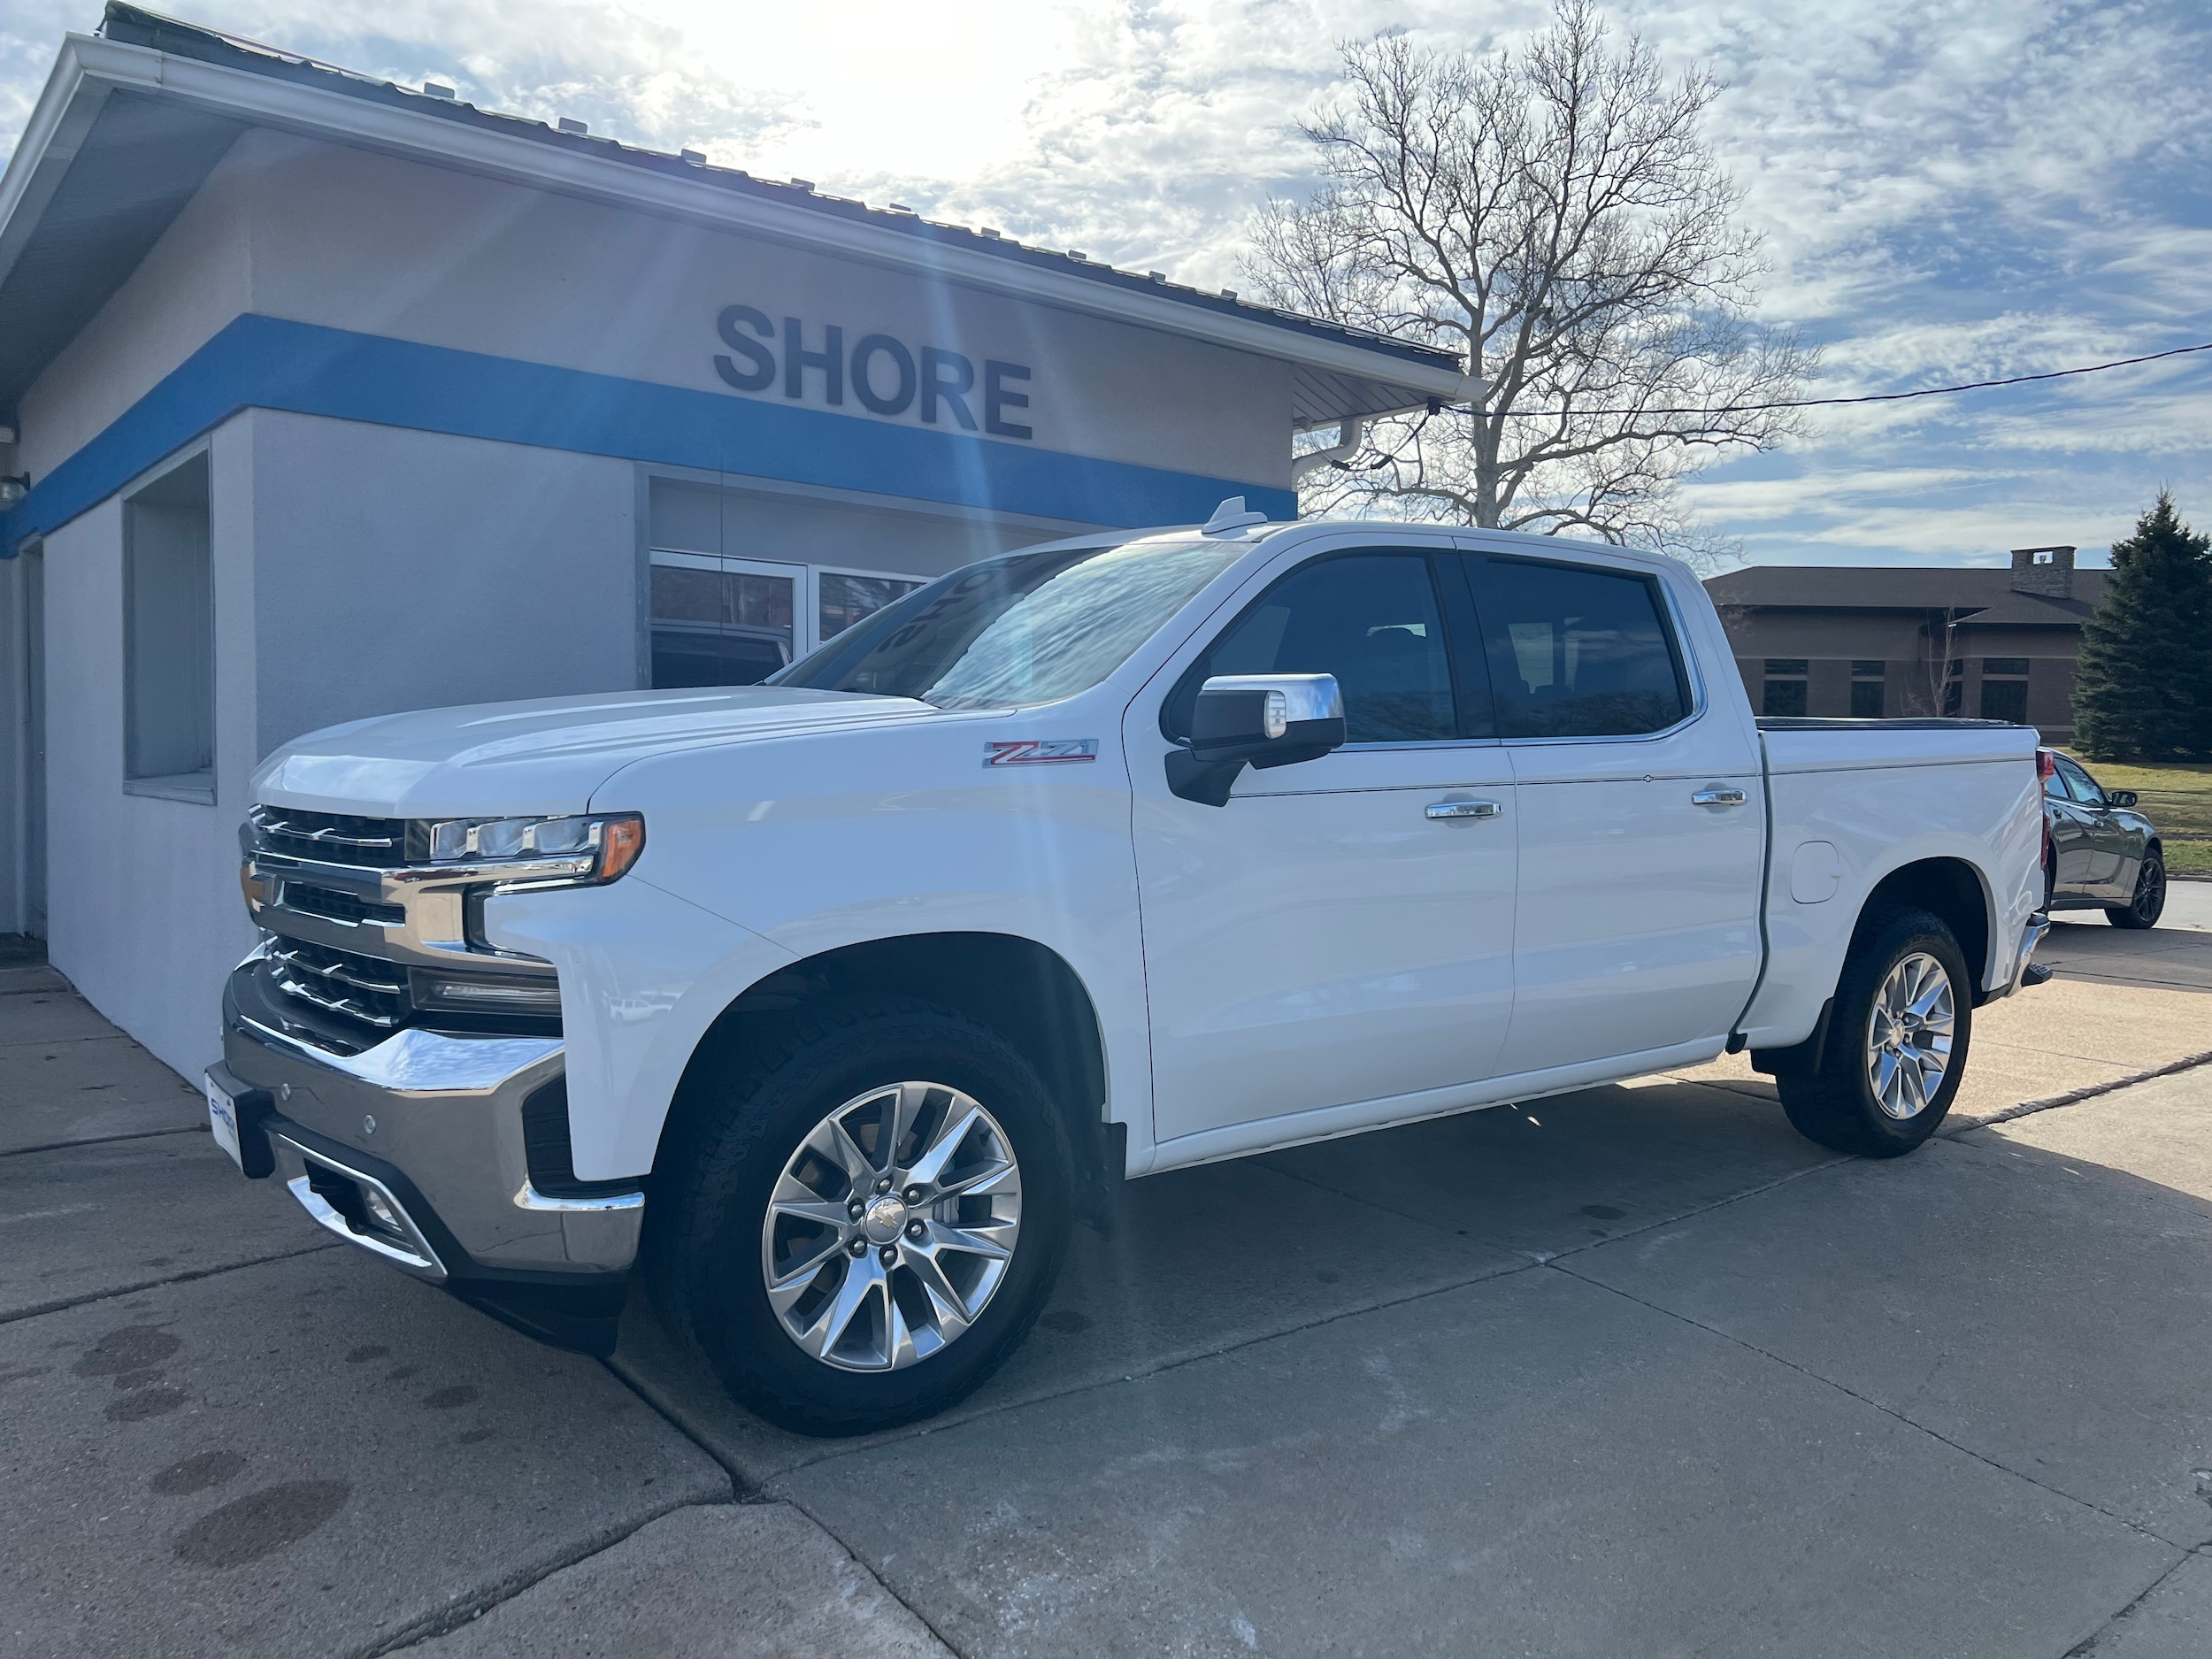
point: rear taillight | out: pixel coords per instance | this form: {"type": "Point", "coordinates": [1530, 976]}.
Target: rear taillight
{"type": "Point", "coordinates": [2046, 765]}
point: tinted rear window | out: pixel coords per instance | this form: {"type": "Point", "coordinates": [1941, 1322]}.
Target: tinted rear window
{"type": "Point", "coordinates": [1577, 651]}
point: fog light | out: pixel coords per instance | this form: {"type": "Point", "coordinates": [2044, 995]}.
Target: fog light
{"type": "Point", "coordinates": [382, 1214]}
{"type": "Point", "coordinates": [486, 993]}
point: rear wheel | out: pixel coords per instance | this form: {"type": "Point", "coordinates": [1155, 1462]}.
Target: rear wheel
{"type": "Point", "coordinates": [2149, 902]}
{"type": "Point", "coordinates": [1897, 1041]}
{"type": "Point", "coordinates": [863, 1216]}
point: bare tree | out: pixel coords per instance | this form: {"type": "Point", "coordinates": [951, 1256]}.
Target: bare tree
{"type": "Point", "coordinates": [1939, 636]}
{"type": "Point", "coordinates": [1553, 214]}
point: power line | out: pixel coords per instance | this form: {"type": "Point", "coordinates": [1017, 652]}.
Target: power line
{"type": "Point", "coordinates": [1875, 398]}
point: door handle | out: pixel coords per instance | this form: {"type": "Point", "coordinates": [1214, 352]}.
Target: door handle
{"type": "Point", "coordinates": [1447, 812]}
{"type": "Point", "coordinates": [1718, 797]}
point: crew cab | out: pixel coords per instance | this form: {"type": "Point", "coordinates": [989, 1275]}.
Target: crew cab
{"type": "Point", "coordinates": [828, 1004]}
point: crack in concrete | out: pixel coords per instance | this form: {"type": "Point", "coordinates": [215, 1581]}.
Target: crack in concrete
{"type": "Point", "coordinates": [2090, 1643]}
{"type": "Point", "coordinates": [465, 1609]}
{"type": "Point", "coordinates": [104, 1140]}
{"type": "Point", "coordinates": [62, 1304]}
{"type": "Point", "coordinates": [861, 1561]}
{"type": "Point", "coordinates": [1888, 1411]}
{"type": "Point", "coordinates": [742, 1489]}
{"type": "Point", "coordinates": [1162, 1364]}
{"type": "Point", "coordinates": [2074, 1097]}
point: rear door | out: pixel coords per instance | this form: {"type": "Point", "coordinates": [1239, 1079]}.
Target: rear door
{"type": "Point", "coordinates": [1642, 822]}
{"type": "Point", "coordinates": [1322, 941]}
{"type": "Point", "coordinates": [2107, 846]}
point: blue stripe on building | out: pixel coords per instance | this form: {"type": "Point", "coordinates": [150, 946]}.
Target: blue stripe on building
{"type": "Point", "coordinates": [267, 363]}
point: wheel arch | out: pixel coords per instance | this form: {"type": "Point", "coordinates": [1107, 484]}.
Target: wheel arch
{"type": "Point", "coordinates": [1950, 887]}
{"type": "Point", "coordinates": [1025, 991]}
{"type": "Point", "coordinates": [1945, 885]}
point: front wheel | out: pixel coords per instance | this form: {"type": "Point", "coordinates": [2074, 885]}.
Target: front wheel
{"type": "Point", "coordinates": [1897, 1041]}
{"type": "Point", "coordinates": [863, 1215]}
{"type": "Point", "coordinates": [2149, 902]}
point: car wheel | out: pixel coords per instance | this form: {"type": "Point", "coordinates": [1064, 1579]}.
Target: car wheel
{"type": "Point", "coordinates": [1897, 1041]}
{"type": "Point", "coordinates": [863, 1215]}
{"type": "Point", "coordinates": [2149, 902]}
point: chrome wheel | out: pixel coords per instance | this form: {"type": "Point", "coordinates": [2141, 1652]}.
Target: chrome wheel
{"type": "Point", "coordinates": [1908, 1035]}
{"type": "Point", "coordinates": [891, 1227]}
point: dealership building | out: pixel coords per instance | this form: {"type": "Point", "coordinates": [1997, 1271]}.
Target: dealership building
{"type": "Point", "coordinates": [325, 397]}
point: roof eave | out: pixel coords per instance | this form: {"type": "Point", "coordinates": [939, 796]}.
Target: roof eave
{"type": "Point", "coordinates": [88, 68]}
{"type": "Point", "coordinates": [85, 70]}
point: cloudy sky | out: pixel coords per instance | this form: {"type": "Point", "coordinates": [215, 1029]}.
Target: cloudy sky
{"type": "Point", "coordinates": [1949, 189]}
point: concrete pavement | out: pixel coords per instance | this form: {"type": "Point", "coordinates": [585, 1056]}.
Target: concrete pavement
{"type": "Point", "coordinates": [1633, 1370]}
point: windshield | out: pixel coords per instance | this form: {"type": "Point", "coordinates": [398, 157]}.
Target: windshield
{"type": "Point", "coordinates": [1030, 628]}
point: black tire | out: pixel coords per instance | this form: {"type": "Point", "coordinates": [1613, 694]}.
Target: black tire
{"type": "Point", "coordinates": [2149, 902]}
{"type": "Point", "coordinates": [737, 1127]}
{"type": "Point", "coordinates": [1834, 1103]}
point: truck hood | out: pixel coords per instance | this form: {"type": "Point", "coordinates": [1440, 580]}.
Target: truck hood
{"type": "Point", "coordinates": [547, 755]}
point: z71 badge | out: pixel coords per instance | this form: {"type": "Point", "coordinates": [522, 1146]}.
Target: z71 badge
{"type": "Point", "coordinates": [1040, 751]}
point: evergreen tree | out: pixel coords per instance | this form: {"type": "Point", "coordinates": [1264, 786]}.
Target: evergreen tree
{"type": "Point", "coordinates": [2143, 686]}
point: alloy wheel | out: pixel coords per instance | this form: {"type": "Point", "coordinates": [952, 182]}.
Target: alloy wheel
{"type": "Point", "coordinates": [2150, 892]}
{"type": "Point", "coordinates": [1908, 1035]}
{"type": "Point", "coordinates": [891, 1227]}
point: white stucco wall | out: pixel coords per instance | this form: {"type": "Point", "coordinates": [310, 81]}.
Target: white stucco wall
{"type": "Point", "coordinates": [197, 277]}
{"type": "Point", "coordinates": [12, 757]}
{"type": "Point", "coordinates": [142, 906]}
{"type": "Point", "coordinates": [407, 570]}
{"type": "Point", "coordinates": [357, 240]}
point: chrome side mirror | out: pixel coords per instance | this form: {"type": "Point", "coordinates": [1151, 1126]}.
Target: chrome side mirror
{"type": "Point", "coordinates": [2119, 797]}
{"type": "Point", "coordinates": [1260, 720]}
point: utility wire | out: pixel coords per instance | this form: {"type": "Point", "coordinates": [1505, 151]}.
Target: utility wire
{"type": "Point", "coordinates": [1828, 402]}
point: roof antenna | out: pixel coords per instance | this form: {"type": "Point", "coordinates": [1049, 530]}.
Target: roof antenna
{"type": "Point", "coordinates": [1230, 516]}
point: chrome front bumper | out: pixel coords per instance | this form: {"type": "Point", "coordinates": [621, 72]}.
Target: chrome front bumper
{"type": "Point", "coordinates": [433, 1121]}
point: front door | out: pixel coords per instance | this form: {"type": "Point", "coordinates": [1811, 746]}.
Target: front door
{"type": "Point", "coordinates": [1322, 941]}
{"type": "Point", "coordinates": [2078, 850]}
{"type": "Point", "coordinates": [1643, 828]}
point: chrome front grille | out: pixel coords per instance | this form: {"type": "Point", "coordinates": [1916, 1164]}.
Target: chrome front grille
{"type": "Point", "coordinates": [355, 988]}
{"type": "Point", "coordinates": [332, 838]}
{"type": "Point", "coordinates": [333, 905]}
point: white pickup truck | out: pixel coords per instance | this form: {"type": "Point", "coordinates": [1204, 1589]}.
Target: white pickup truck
{"type": "Point", "coordinates": [829, 1003]}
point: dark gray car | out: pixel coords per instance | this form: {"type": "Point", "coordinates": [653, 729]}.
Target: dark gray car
{"type": "Point", "coordinates": [2102, 854]}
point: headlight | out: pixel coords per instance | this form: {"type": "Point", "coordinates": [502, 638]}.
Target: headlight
{"type": "Point", "coordinates": [563, 850]}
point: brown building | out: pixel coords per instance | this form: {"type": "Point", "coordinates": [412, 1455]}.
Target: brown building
{"type": "Point", "coordinates": [1885, 643]}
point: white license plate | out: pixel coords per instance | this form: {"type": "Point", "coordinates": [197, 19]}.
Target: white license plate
{"type": "Point", "coordinates": [222, 1118]}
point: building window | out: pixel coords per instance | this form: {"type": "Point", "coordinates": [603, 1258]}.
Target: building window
{"type": "Point", "coordinates": [1867, 675]}
{"type": "Point", "coordinates": [720, 622]}
{"type": "Point", "coordinates": [169, 637]}
{"type": "Point", "coordinates": [2005, 689]}
{"type": "Point", "coordinates": [734, 622]}
{"type": "Point", "coordinates": [1784, 693]}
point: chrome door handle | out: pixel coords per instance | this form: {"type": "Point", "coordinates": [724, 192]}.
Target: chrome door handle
{"type": "Point", "coordinates": [1447, 810]}
{"type": "Point", "coordinates": [1718, 797]}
